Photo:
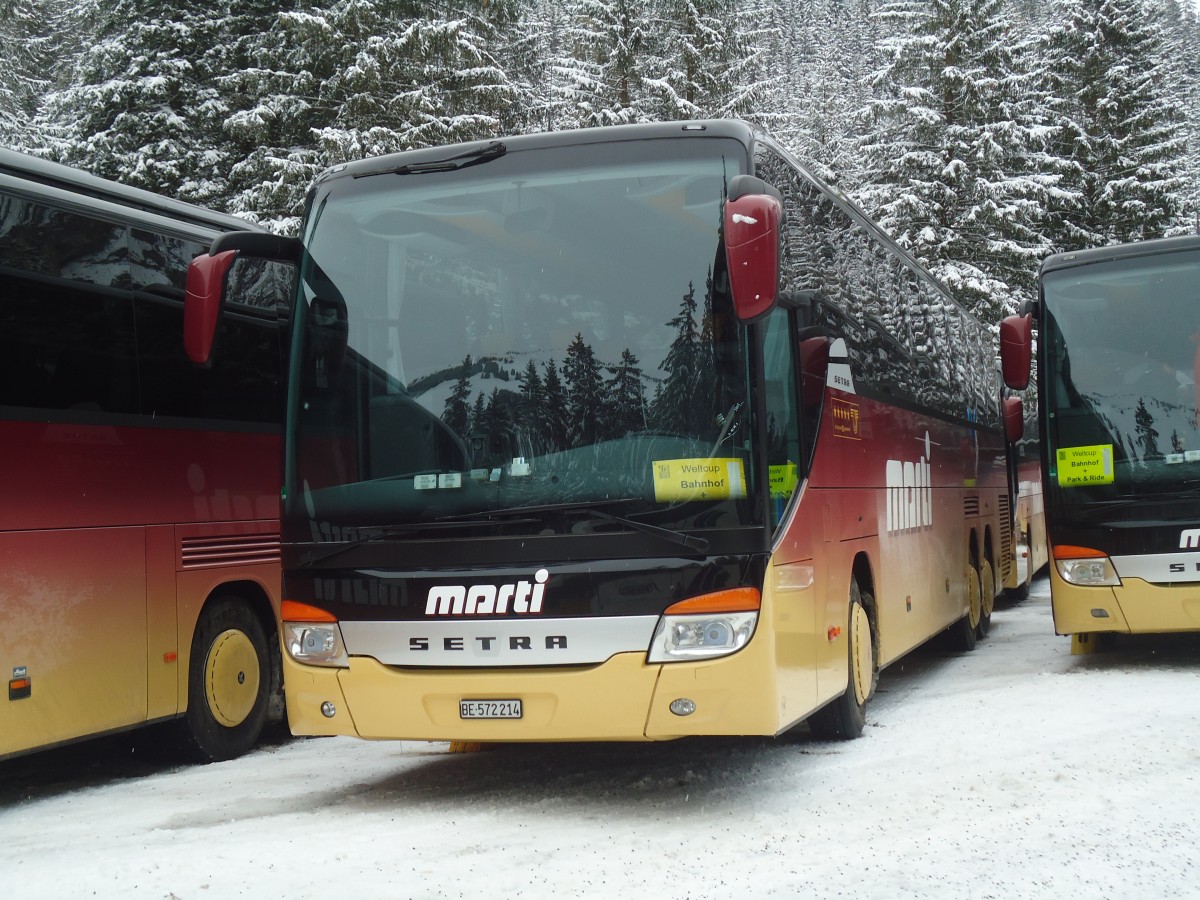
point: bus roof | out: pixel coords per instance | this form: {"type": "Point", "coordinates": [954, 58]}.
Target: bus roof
{"type": "Point", "coordinates": [40, 171]}
{"type": "Point", "coordinates": [739, 130]}
{"type": "Point", "coordinates": [1068, 260]}
{"type": "Point", "coordinates": [727, 128]}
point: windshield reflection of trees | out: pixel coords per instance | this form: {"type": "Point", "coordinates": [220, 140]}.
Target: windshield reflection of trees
{"type": "Point", "coordinates": [1144, 413]}
{"type": "Point", "coordinates": [578, 400]}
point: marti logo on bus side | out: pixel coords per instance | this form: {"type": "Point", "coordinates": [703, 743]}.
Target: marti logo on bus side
{"type": "Point", "coordinates": [488, 599]}
{"type": "Point", "coordinates": [909, 492]}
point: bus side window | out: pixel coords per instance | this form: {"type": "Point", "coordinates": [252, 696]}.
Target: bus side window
{"type": "Point", "coordinates": [814, 366]}
{"type": "Point", "coordinates": [65, 312]}
{"type": "Point", "coordinates": [783, 425]}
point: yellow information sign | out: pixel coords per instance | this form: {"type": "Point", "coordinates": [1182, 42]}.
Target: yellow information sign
{"type": "Point", "coordinates": [1085, 465]}
{"type": "Point", "coordinates": [783, 480]}
{"type": "Point", "coordinates": [698, 479]}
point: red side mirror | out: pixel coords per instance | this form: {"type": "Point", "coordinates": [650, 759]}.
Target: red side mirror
{"type": "Point", "coordinates": [202, 303]}
{"type": "Point", "coordinates": [752, 223]}
{"type": "Point", "coordinates": [1014, 419]}
{"type": "Point", "coordinates": [1016, 350]}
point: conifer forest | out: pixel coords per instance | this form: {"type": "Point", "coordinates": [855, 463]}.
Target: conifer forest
{"type": "Point", "coordinates": [982, 134]}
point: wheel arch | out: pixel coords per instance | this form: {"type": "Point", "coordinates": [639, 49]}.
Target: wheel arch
{"type": "Point", "coordinates": [862, 573]}
{"type": "Point", "coordinates": [257, 598]}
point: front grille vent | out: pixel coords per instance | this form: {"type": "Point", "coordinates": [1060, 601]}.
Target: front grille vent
{"type": "Point", "coordinates": [971, 507]}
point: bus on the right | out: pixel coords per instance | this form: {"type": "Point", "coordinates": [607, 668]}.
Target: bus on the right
{"type": "Point", "coordinates": [1118, 383]}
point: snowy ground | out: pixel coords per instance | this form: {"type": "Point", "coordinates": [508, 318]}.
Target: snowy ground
{"type": "Point", "coordinates": [1014, 771]}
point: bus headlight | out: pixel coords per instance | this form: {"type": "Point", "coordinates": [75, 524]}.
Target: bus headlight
{"type": "Point", "coordinates": [681, 638]}
{"type": "Point", "coordinates": [312, 636]}
{"type": "Point", "coordinates": [314, 644]}
{"type": "Point", "coordinates": [1085, 567]}
{"type": "Point", "coordinates": [706, 626]}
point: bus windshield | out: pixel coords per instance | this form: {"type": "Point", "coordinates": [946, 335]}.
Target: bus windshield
{"type": "Point", "coordinates": [534, 329]}
{"type": "Point", "coordinates": [1121, 401]}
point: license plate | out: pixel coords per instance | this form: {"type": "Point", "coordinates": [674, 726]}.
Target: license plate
{"type": "Point", "coordinates": [489, 709]}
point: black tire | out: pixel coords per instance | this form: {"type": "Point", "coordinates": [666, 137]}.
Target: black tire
{"type": "Point", "coordinates": [1016, 595]}
{"type": "Point", "coordinates": [987, 596]}
{"type": "Point", "coordinates": [845, 718]}
{"type": "Point", "coordinates": [963, 634]}
{"type": "Point", "coordinates": [229, 682]}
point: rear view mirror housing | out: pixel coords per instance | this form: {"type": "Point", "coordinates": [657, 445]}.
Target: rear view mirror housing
{"type": "Point", "coordinates": [207, 277]}
{"type": "Point", "coordinates": [208, 281]}
{"type": "Point", "coordinates": [753, 225]}
{"type": "Point", "coordinates": [1014, 419]}
{"type": "Point", "coordinates": [1016, 350]}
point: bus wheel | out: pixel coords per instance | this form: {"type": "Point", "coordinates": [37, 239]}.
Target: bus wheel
{"type": "Point", "coordinates": [845, 717]}
{"type": "Point", "coordinates": [964, 633]}
{"type": "Point", "coordinates": [987, 596]}
{"type": "Point", "coordinates": [228, 682]}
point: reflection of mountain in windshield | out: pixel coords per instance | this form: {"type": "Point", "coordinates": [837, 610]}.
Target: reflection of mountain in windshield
{"type": "Point", "coordinates": [579, 400]}
{"type": "Point", "coordinates": [519, 334]}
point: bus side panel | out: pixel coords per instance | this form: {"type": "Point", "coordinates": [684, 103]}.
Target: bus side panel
{"type": "Point", "coordinates": [76, 474]}
{"type": "Point", "coordinates": [162, 643]}
{"type": "Point", "coordinates": [796, 583]}
{"type": "Point", "coordinates": [88, 591]}
{"type": "Point", "coordinates": [73, 621]}
{"type": "Point", "coordinates": [895, 513]}
{"type": "Point", "coordinates": [914, 489]}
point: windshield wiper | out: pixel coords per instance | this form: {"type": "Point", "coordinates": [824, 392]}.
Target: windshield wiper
{"type": "Point", "coordinates": [327, 550]}
{"type": "Point", "coordinates": [689, 541]}
{"type": "Point", "coordinates": [1093, 510]}
{"type": "Point", "coordinates": [593, 508]}
{"type": "Point", "coordinates": [515, 516]}
{"type": "Point", "coordinates": [486, 153]}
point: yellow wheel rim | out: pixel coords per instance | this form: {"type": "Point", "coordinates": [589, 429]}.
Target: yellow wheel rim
{"type": "Point", "coordinates": [988, 587]}
{"type": "Point", "coordinates": [862, 654]}
{"type": "Point", "coordinates": [231, 677]}
{"type": "Point", "coordinates": [976, 597]}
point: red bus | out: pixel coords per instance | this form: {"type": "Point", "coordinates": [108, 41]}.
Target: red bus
{"type": "Point", "coordinates": [619, 434]}
{"type": "Point", "coordinates": [139, 537]}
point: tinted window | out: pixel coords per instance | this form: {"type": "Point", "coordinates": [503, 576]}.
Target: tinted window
{"type": "Point", "coordinates": [908, 340]}
{"type": "Point", "coordinates": [69, 322]}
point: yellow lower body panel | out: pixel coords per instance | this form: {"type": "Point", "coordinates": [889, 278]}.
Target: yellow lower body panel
{"type": "Point", "coordinates": [624, 699]}
{"type": "Point", "coordinates": [1136, 607]}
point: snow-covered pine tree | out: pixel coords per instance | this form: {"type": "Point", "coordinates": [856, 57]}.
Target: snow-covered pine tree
{"type": "Point", "coordinates": [700, 61]}
{"type": "Point", "coordinates": [1181, 57]}
{"type": "Point", "coordinates": [814, 58]}
{"type": "Point", "coordinates": [537, 59]}
{"type": "Point", "coordinates": [276, 63]}
{"type": "Point", "coordinates": [1117, 140]}
{"type": "Point", "coordinates": [359, 78]}
{"type": "Point", "coordinates": [604, 80]}
{"type": "Point", "coordinates": [35, 42]}
{"type": "Point", "coordinates": [948, 151]}
{"type": "Point", "coordinates": [136, 106]}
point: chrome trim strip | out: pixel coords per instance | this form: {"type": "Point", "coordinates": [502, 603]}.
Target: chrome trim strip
{"type": "Point", "coordinates": [499, 642]}
{"type": "Point", "coordinates": [1160, 568]}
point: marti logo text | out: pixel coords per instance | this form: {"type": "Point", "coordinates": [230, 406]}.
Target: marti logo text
{"type": "Point", "coordinates": [522, 597]}
{"type": "Point", "coordinates": [909, 492]}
